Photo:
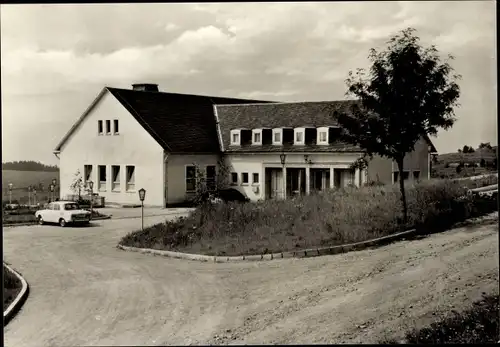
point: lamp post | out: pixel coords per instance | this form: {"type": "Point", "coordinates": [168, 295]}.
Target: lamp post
{"type": "Point", "coordinates": [54, 183]}
{"type": "Point", "coordinates": [283, 159]}
{"type": "Point", "coordinates": [10, 193]}
{"type": "Point", "coordinates": [91, 187]}
{"type": "Point", "coordinates": [142, 195]}
{"type": "Point", "coordinates": [34, 196]}
{"type": "Point", "coordinates": [51, 193]}
{"type": "Point", "coordinates": [29, 195]}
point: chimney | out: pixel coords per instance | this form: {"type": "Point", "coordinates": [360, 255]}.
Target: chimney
{"type": "Point", "coordinates": [145, 87]}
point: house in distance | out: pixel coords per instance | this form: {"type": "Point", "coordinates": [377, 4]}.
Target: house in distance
{"type": "Point", "coordinates": [129, 139]}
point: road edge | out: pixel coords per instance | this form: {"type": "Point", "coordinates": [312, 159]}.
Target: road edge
{"type": "Point", "coordinates": [18, 302]}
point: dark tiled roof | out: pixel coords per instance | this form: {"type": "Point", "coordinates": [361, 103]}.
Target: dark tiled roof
{"type": "Point", "coordinates": [276, 115]}
{"type": "Point", "coordinates": [181, 123]}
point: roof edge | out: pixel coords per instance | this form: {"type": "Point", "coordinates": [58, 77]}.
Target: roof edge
{"type": "Point", "coordinates": [80, 120]}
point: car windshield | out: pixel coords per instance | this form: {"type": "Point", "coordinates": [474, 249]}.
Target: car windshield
{"type": "Point", "coordinates": [71, 207]}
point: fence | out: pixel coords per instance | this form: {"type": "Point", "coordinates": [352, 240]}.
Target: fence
{"type": "Point", "coordinates": [22, 195]}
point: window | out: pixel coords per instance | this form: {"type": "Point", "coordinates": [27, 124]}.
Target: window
{"type": "Point", "coordinates": [322, 136]}
{"type": "Point", "coordinates": [190, 178]}
{"type": "Point", "coordinates": [277, 137]}
{"type": "Point", "coordinates": [211, 177]}
{"type": "Point", "coordinates": [235, 137]}
{"type": "Point", "coordinates": [299, 137]}
{"type": "Point", "coordinates": [115, 172]}
{"type": "Point", "coordinates": [255, 178]}
{"type": "Point", "coordinates": [99, 127]}
{"type": "Point", "coordinates": [130, 179]}
{"type": "Point", "coordinates": [102, 178]}
{"type": "Point", "coordinates": [416, 175]}
{"type": "Point", "coordinates": [244, 178]}
{"type": "Point", "coordinates": [234, 178]}
{"type": "Point", "coordinates": [256, 137]}
{"type": "Point", "coordinates": [115, 126]}
{"type": "Point", "coordinates": [56, 207]}
{"type": "Point", "coordinates": [406, 175]}
{"type": "Point", "coordinates": [395, 175]}
{"type": "Point", "coordinates": [87, 173]}
{"type": "Point", "coordinates": [108, 127]}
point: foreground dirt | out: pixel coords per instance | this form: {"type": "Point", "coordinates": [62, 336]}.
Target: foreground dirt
{"type": "Point", "coordinates": [86, 292]}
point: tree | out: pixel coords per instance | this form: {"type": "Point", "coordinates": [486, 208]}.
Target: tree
{"type": "Point", "coordinates": [482, 163]}
{"type": "Point", "coordinates": [408, 93]}
{"type": "Point", "coordinates": [206, 187]}
{"type": "Point", "coordinates": [486, 145]}
{"type": "Point", "coordinates": [77, 185]}
{"type": "Point", "coordinates": [467, 149]}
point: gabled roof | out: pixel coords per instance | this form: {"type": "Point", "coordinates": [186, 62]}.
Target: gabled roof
{"type": "Point", "coordinates": [280, 115]}
{"type": "Point", "coordinates": [180, 123]}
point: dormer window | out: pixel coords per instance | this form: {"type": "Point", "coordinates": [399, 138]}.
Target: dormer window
{"type": "Point", "coordinates": [322, 136]}
{"type": "Point", "coordinates": [299, 134]}
{"type": "Point", "coordinates": [235, 137]}
{"type": "Point", "coordinates": [277, 136]}
{"type": "Point", "coordinates": [257, 136]}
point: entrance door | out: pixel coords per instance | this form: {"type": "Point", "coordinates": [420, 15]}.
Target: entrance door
{"type": "Point", "coordinates": [274, 183]}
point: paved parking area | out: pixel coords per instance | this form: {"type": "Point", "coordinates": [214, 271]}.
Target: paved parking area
{"type": "Point", "coordinates": [84, 291]}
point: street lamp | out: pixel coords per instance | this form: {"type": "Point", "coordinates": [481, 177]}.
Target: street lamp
{"type": "Point", "coordinates": [283, 159]}
{"type": "Point", "coordinates": [10, 193]}
{"type": "Point", "coordinates": [54, 183]}
{"type": "Point", "coordinates": [51, 192]}
{"type": "Point", "coordinates": [142, 196]}
{"type": "Point", "coordinates": [29, 195]}
{"type": "Point", "coordinates": [34, 196]}
{"type": "Point", "coordinates": [91, 187]}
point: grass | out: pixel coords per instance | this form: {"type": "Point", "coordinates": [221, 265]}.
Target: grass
{"type": "Point", "coordinates": [477, 324]}
{"type": "Point", "coordinates": [11, 287]}
{"type": "Point", "coordinates": [326, 219]}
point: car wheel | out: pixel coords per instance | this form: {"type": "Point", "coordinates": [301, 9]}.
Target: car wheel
{"type": "Point", "coordinates": [62, 222]}
{"type": "Point", "coordinates": [40, 220]}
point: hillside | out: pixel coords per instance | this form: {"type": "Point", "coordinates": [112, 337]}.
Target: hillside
{"type": "Point", "coordinates": [22, 179]}
{"type": "Point", "coordinates": [486, 154]}
{"type": "Point", "coordinates": [28, 165]}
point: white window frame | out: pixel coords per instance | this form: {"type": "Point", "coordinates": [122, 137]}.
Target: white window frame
{"type": "Point", "coordinates": [115, 184]}
{"type": "Point", "coordinates": [116, 124]}
{"type": "Point", "coordinates": [108, 129]}
{"type": "Point", "coordinates": [322, 130]}
{"type": "Point", "coordinates": [87, 175]}
{"type": "Point", "coordinates": [256, 132]}
{"type": "Point", "coordinates": [253, 178]}
{"type": "Point", "coordinates": [278, 131]}
{"type": "Point", "coordinates": [233, 182]}
{"type": "Point", "coordinates": [236, 132]}
{"type": "Point", "coordinates": [299, 131]}
{"type": "Point", "coordinates": [102, 188]}
{"type": "Point", "coordinates": [243, 183]}
{"type": "Point", "coordinates": [100, 124]}
{"type": "Point", "coordinates": [186, 178]}
{"type": "Point", "coordinates": [129, 186]}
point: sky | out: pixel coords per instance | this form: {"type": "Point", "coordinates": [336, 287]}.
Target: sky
{"type": "Point", "coordinates": [55, 59]}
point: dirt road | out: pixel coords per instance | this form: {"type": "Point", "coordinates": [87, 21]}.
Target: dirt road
{"type": "Point", "coordinates": [86, 292]}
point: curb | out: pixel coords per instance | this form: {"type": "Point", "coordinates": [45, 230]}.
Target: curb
{"type": "Point", "coordinates": [16, 305]}
{"type": "Point", "coordinates": [153, 215]}
{"type": "Point", "coordinates": [304, 253]}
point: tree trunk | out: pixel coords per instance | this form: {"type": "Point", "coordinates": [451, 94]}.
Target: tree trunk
{"type": "Point", "coordinates": [400, 163]}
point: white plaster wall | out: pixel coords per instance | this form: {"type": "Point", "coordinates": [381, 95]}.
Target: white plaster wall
{"type": "Point", "coordinates": [133, 146]}
{"type": "Point", "coordinates": [176, 173]}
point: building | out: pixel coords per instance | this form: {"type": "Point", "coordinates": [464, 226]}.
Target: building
{"type": "Point", "coordinates": [136, 138]}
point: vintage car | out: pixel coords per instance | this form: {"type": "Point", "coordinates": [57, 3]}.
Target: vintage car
{"type": "Point", "coordinates": [63, 213]}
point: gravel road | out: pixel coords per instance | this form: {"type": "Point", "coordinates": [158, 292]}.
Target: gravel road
{"type": "Point", "coordinates": [84, 291]}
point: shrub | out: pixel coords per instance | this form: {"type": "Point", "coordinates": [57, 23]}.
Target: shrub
{"type": "Point", "coordinates": [326, 218]}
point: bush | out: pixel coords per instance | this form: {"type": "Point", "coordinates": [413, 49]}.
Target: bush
{"type": "Point", "coordinates": [322, 219]}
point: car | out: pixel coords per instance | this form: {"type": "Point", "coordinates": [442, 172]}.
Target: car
{"type": "Point", "coordinates": [63, 213]}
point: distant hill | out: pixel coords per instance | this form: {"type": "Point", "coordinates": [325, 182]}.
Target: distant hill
{"type": "Point", "coordinates": [483, 153]}
{"type": "Point", "coordinates": [29, 165]}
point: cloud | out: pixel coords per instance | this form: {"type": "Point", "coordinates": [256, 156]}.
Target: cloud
{"type": "Point", "coordinates": [277, 51]}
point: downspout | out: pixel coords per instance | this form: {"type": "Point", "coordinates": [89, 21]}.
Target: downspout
{"type": "Point", "coordinates": [165, 177]}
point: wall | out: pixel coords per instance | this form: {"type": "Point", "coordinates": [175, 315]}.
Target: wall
{"type": "Point", "coordinates": [380, 169]}
{"type": "Point", "coordinates": [133, 146]}
{"type": "Point", "coordinates": [256, 163]}
{"type": "Point", "coordinates": [416, 160]}
{"type": "Point", "coordinates": [176, 174]}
